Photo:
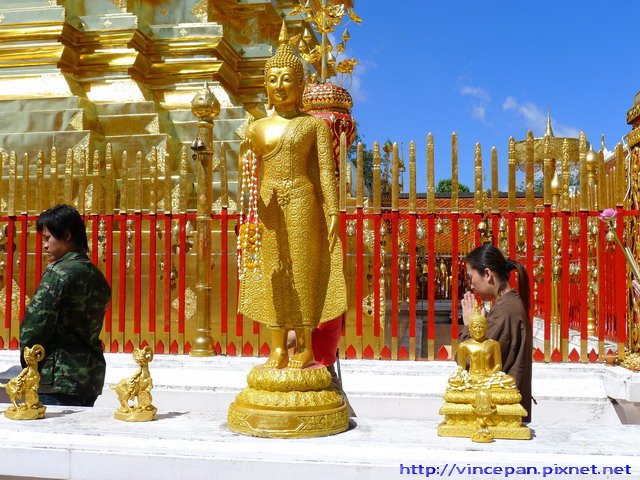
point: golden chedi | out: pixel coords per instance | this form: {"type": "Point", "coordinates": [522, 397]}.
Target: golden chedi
{"type": "Point", "coordinates": [290, 267]}
{"type": "Point", "coordinates": [482, 402]}
{"type": "Point", "coordinates": [26, 384]}
{"type": "Point", "coordinates": [137, 386]}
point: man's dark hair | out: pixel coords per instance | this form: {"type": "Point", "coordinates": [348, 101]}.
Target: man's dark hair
{"type": "Point", "coordinates": [63, 220]}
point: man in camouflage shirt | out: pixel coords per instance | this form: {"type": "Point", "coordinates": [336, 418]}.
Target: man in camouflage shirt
{"type": "Point", "coordinates": [67, 313]}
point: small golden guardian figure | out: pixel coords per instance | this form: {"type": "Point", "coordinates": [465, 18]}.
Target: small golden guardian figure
{"type": "Point", "coordinates": [26, 385]}
{"type": "Point", "coordinates": [290, 265]}
{"type": "Point", "coordinates": [482, 402]}
{"type": "Point", "coordinates": [138, 386]}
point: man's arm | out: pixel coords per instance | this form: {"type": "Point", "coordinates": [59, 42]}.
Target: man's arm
{"type": "Point", "coordinates": [42, 313]}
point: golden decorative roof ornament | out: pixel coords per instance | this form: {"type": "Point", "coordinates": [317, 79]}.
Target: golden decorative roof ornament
{"type": "Point", "coordinates": [327, 97]}
{"type": "Point", "coordinates": [556, 146]}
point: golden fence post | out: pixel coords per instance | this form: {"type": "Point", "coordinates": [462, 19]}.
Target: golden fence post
{"type": "Point", "coordinates": [25, 185]}
{"type": "Point", "coordinates": [395, 172]}
{"type": "Point", "coordinates": [68, 177]}
{"type": "Point", "coordinates": [13, 179]}
{"type": "Point", "coordinates": [530, 201]}
{"type": "Point", "coordinates": [39, 184]}
{"type": "Point", "coordinates": [82, 182]}
{"type": "Point", "coordinates": [412, 252]}
{"type": "Point", "coordinates": [566, 176]}
{"type": "Point", "coordinates": [602, 193]}
{"type": "Point", "coordinates": [4, 158]}
{"type": "Point", "coordinates": [377, 190]}
{"type": "Point", "coordinates": [454, 173]}
{"type": "Point", "coordinates": [511, 204]}
{"type": "Point", "coordinates": [124, 177]}
{"type": "Point", "coordinates": [478, 206]}
{"type": "Point", "coordinates": [109, 186]}
{"type": "Point", "coordinates": [359, 176]}
{"type": "Point", "coordinates": [412, 177]}
{"type": "Point", "coordinates": [621, 177]}
{"type": "Point", "coordinates": [584, 188]}
{"type": "Point", "coordinates": [137, 199]}
{"type": "Point", "coordinates": [377, 200]}
{"type": "Point", "coordinates": [495, 205]}
{"type": "Point", "coordinates": [546, 172]}
{"type": "Point", "coordinates": [53, 176]}
{"type": "Point", "coordinates": [96, 187]}
{"type": "Point", "coordinates": [431, 191]}
{"type": "Point", "coordinates": [205, 108]}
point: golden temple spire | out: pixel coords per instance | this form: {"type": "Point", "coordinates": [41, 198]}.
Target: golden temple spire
{"type": "Point", "coordinates": [549, 131]}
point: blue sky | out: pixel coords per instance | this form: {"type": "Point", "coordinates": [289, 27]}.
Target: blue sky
{"type": "Point", "coordinates": [489, 70]}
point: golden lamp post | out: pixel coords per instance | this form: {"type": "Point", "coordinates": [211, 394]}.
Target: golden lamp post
{"type": "Point", "coordinates": [205, 108]}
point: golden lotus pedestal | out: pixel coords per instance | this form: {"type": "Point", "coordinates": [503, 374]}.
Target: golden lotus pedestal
{"type": "Point", "coordinates": [288, 403]}
{"type": "Point", "coordinates": [501, 417]}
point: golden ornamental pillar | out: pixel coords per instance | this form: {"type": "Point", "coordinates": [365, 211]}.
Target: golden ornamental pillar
{"type": "Point", "coordinates": [205, 108]}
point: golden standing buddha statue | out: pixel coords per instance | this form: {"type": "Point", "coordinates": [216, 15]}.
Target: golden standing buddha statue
{"type": "Point", "coordinates": [299, 281]}
{"type": "Point", "coordinates": [482, 402]}
{"type": "Point", "coordinates": [290, 267]}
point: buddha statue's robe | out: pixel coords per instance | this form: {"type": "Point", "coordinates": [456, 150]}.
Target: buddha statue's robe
{"type": "Point", "coordinates": [301, 282]}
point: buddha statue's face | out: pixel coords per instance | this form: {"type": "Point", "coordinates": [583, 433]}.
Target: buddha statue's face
{"type": "Point", "coordinates": [283, 88]}
{"type": "Point", "coordinates": [478, 329]}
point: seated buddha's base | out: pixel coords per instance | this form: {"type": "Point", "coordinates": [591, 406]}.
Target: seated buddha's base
{"type": "Point", "coordinates": [468, 431]}
{"type": "Point", "coordinates": [288, 403]}
{"type": "Point", "coordinates": [461, 420]}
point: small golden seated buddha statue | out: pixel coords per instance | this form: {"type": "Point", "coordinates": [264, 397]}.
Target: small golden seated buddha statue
{"type": "Point", "coordinates": [482, 402]}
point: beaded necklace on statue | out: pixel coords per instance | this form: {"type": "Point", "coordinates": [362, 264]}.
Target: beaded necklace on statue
{"type": "Point", "coordinates": [250, 234]}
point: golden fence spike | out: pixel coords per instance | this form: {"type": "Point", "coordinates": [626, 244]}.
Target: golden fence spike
{"type": "Point", "coordinates": [529, 159]}
{"type": "Point", "coordinates": [53, 176]}
{"type": "Point", "coordinates": [96, 201]}
{"type": "Point", "coordinates": [25, 184]}
{"type": "Point", "coordinates": [153, 181]}
{"type": "Point", "coordinates": [110, 181]}
{"type": "Point", "coordinates": [11, 203]}
{"type": "Point", "coordinates": [182, 199]}
{"type": "Point", "coordinates": [68, 177]}
{"type": "Point", "coordinates": [137, 199]}
{"type": "Point", "coordinates": [602, 190]}
{"type": "Point", "coordinates": [377, 188]}
{"type": "Point", "coordinates": [431, 180]}
{"type": "Point", "coordinates": [343, 172]}
{"type": "Point", "coordinates": [359, 176]}
{"type": "Point", "coordinates": [40, 188]}
{"type": "Point", "coordinates": [168, 187]}
{"type": "Point", "coordinates": [582, 155]}
{"type": "Point", "coordinates": [395, 184]}
{"type": "Point", "coordinates": [81, 205]}
{"type": "Point", "coordinates": [454, 174]}
{"type": "Point", "coordinates": [546, 172]}
{"type": "Point", "coordinates": [478, 206]}
{"type": "Point", "coordinates": [124, 182]}
{"type": "Point", "coordinates": [511, 163]}
{"type": "Point", "coordinates": [224, 179]}
{"type": "Point", "coordinates": [412, 177]}
{"type": "Point", "coordinates": [495, 205]}
{"type": "Point", "coordinates": [566, 175]}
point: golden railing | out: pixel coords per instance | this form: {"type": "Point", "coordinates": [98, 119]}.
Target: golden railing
{"type": "Point", "coordinates": [144, 224]}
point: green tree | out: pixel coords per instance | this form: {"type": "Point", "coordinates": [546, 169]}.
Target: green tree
{"type": "Point", "coordinates": [444, 186]}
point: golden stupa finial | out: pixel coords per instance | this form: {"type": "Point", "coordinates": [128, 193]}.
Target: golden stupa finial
{"type": "Point", "coordinates": [549, 131]}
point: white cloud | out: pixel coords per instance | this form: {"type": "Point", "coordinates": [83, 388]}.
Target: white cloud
{"type": "Point", "coordinates": [535, 118]}
{"type": "Point", "coordinates": [481, 99]}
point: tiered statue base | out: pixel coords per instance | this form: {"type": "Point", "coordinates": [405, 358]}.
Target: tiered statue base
{"type": "Point", "coordinates": [461, 417]}
{"type": "Point", "coordinates": [288, 403]}
{"type": "Point", "coordinates": [137, 415]}
{"type": "Point", "coordinates": [25, 412]}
